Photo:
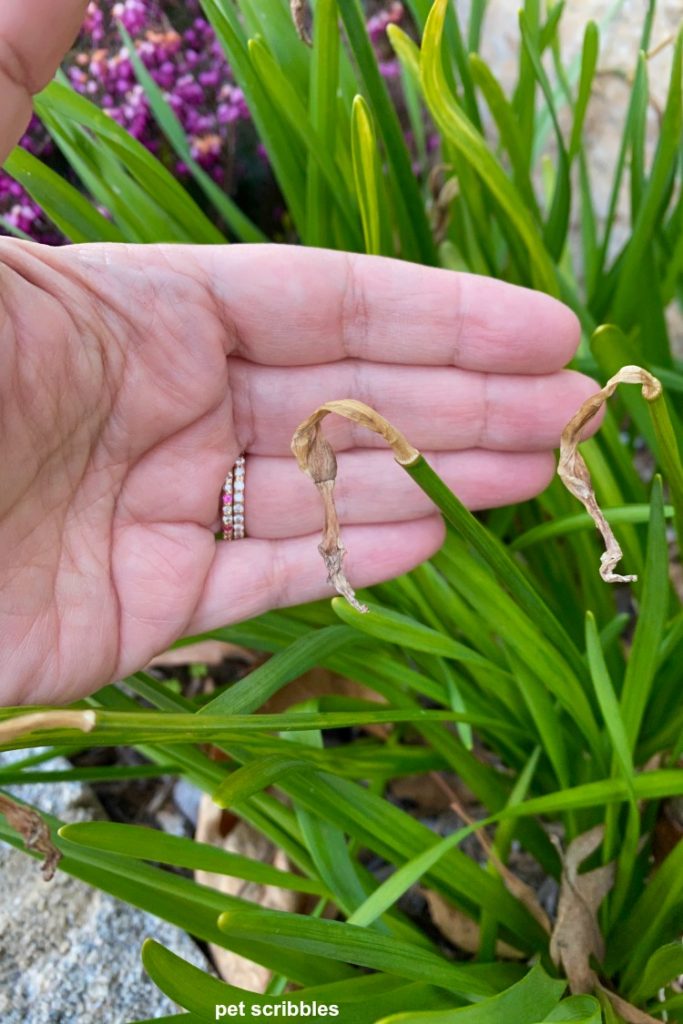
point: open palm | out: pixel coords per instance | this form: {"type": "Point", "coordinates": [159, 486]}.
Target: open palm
{"type": "Point", "coordinates": [131, 379]}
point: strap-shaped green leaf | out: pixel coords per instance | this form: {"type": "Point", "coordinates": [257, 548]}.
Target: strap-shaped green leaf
{"type": "Point", "coordinates": [284, 98]}
{"type": "Point", "coordinates": [286, 160]}
{"type": "Point", "coordinates": [411, 221]}
{"type": "Point", "coordinates": [322, 108]}
{"type": "Point", "coordinates": [63, 103]}
{"type": "Point", "coordinates": [529, 1001]}
{"type": "Point", "coordinates": [338, 941]}
{"type": "Point", "coordinates": [66, 207]}
{"type": "Point", "coordinates": [141, 843]}
{"type": "Point", "coordinates": [654, 606]}
{"type": "Point", "coordinates": [654, 195]}
{"type": "Point", "coordinates": [462, 134]}
{"type": "Point", "coordinates": [361, 1000]}
{"type": "Point", "coordinates": [165, 117]}
{"type": "Point", "coordinates": [366, 174]}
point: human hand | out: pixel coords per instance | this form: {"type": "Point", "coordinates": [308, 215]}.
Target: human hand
{"type": "Point", "coordinates": [131, 378]}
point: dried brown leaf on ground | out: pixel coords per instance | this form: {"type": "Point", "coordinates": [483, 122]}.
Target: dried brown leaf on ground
{"type": "Point", "coordinates": [573, 470]}
{"type": "Point", "coordinates": [317, 682]}
{"type": "Point", "coordinates": [34, 831]}
{"type": "Point", "coordinates": [206, 652]}
{"type": "Point", "coordinates": [576, 935]}
{"type": "Point", "coordinates": [520, 890]}
{"type": "Point", "coordinates": [245, 840]}
{"type": "Point", "coordinates": [461, 930]}
{"type": "Point", "coordinates": [515, 886]}
{"type": "Point", "coordinates": [316, 458]}
{"type": "Point", "coordinates": [668, 831]}
{"type": "Point", "coordinates": [422, 791]}
{"type": "Point", "coordinates": [627, 1011]}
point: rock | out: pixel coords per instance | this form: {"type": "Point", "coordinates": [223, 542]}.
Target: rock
{"type": "Point", "coordinates": [70, 954]}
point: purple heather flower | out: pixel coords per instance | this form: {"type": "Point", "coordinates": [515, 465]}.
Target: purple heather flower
{"type": "Point", "coordinates": [377, 24]}
{"type": "Point", "coordinates": [209, 79]}
{"type": "Point", "coordinates": [389, 68]}
{"type": "Point", "coordinates": [93, 23]}
{"type": "Point", "coordinates": [133, 15]}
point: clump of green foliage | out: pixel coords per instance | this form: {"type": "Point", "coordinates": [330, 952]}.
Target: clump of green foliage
{"type": "Point", "coordinates": [507, 641]}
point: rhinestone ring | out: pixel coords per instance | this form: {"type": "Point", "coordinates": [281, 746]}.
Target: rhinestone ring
{"type": "Point", "coordinates": [232, 502]}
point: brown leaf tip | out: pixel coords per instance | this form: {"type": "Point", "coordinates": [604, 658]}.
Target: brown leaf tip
{"type": "Point", "coordinates": [298, 11]}
{"type": "Point", "coordinates": [34, 831]}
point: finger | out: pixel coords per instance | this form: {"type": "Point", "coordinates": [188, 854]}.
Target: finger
{"type": "Point", "coordinates": [372, 488]}
{"type": "Point", "coordinates": [290, 305]}
{"type": "Point", "coordinates": [34, 36]}
{"type": "Point", "coordinates": [440, 409]}
{"type": "Point", "coordinates": [249, 577]}
{"type": "Point", "coordinates": [285, 305]}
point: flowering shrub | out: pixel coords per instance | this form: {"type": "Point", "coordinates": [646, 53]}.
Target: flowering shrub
{"type": "Point", "coordinates": [187, 63]}
{"type": "Point", "coordinates": [180, 50]}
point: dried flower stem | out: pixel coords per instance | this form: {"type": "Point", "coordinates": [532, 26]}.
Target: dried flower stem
{"type": "Point", "coordinates": [573, 470]}
{"type": "Point", "coordinates": [19, 726]}
{"type": "Point", "coordinates": [317, 459]}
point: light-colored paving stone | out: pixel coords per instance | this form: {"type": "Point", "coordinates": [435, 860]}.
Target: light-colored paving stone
{"type": "Point", "coordinates": [70, 954]}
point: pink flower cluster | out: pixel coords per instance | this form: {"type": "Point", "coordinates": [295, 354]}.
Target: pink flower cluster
{"type": "Point", "coordinates": [186, 62]}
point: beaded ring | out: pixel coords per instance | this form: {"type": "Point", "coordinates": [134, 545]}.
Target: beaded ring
{"type": "Point", "coordinates": [232, 502]}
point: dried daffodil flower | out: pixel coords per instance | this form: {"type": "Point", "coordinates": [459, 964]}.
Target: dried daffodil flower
{"type": "Point", "coordinates": [317, 459]}
{"type": "Point", "coordinates": [573, 471]}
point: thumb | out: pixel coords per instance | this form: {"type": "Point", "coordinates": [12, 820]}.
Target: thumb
{"type": "Point", "coordinates": [34, 36]}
